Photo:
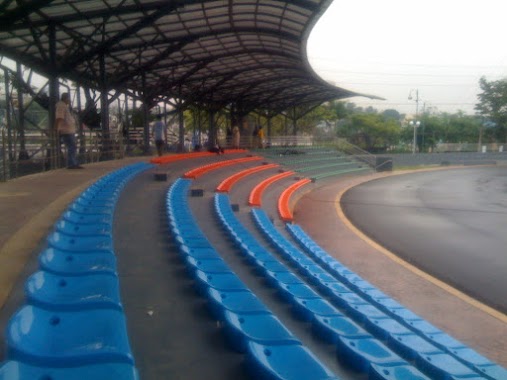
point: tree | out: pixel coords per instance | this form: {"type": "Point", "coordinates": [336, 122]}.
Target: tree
{"type": "Point", "coordinates": [392, 114]}
{"type": "Point", "coordinates": [371, 131]}
{"type": "Point", "coordinates": [493, 105]}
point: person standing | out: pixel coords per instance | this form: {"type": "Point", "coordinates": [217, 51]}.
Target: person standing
{"type": "Point", "coordinates": [159, 134]}
{"type": "Point", "coordinates": [235, 137]}
{"type": "Point", "coordinates": [66, 127]}
{"type": "Point", "coordinates": [260, 137]}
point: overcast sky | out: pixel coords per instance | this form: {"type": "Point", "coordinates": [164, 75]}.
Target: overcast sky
{"type": "Point", "coordinates": [392, 47]}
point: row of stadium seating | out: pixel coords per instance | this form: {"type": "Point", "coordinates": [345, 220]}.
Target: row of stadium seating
{"type": "Point", "coordinates": [271, 350]}
{"type": "Point", "coordinates": [411, 337]}
{"type": "Point", "coordinates": [72, 325]}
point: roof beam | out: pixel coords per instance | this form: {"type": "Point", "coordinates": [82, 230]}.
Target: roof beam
{"type": "Point", "coordinates": [9, 18]}
{"type": "Point", "coordinates": [104, 47]}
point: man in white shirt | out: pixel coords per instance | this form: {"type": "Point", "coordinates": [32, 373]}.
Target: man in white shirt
{"type": "Point", "coordinates": [159, 134]}
{"type": "Point", "coordinates": [66, 127]}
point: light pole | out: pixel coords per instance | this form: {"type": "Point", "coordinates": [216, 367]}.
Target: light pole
{"type": "Point", "coordinates": [415, 124]}
{"type": "Point", "coordinates": [416, 100]}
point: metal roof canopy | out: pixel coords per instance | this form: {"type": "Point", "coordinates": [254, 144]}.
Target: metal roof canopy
{"type": "Point", "coordinates": [250, 53]}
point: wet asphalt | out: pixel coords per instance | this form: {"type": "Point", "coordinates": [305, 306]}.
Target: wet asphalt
{"type": "Point", "coordinates": [452, 224]}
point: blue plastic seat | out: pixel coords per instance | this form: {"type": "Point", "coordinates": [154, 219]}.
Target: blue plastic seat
{"type": "Point", "coordinates": [76, 217]}
{"type": "Point", "coordinates": [358, 283]}
{"type": "Point", "coordinates": [397, 372]}
{"type": "Point", "coordinates": [300, 259]}
{"type": "Point", "coordinates": [284, 362]}
{"type": "Point", "coordinates": [320, 278]}
{"type": "Point", "coordinates": [197, 242]}
{"type": "Point", "coordinates": [262, 328]}
{"type": "Point", "coordinates": [15, 370]}
{"type": "Point", "coordinates": [333, 287]}
{"type": "Point", "coordinates": [423, 327]}
{"type": "Point", "coordinates": [94, 210]}
{"type": "Point", "coordinates": [75, 263]}
{"type": "Point", "coordinates": [493, 371]}
{"type": "Point", "coordinates": [383, 328]}
{"type": "Point", "coordinates": [255, 257]}
{"type": "Point", "coordinates": [311, 270]}
{"type": "Point", "coordinates": [67, 338]}
{"type": "Point", "coordinates": [57, 292]}
{"type": "Point", "coordinates": [330, 328]}
{"type": "Point", "coordinates": [99, 194]}
{"type": "Point", "coordinates": [214, 265]}
{"type": "Point", "coordinates": [105, 200]}
{"type": "Point", "coordinates": [243, 302]}
{"type": "Point", "coordinates": [476, 360]}
{"type": "Point", "coordinates": [375, 294]}
{"type": "Point", "coordinates": [80, 229]}
{"type": "Point", "coordinates": [404, 315]}
{"type": "Point", "coordinates": [187, 231]}
{"type": "Point", "coordinates": [443, 367]}
{"type": "Point", "coordinates": [219, 281]}
{"type": "Point", "coordinates": [274, 278]}
{"type": "Point", "coordinates": [411, 345]}
{"type": "Point", "coordinates": [346, 300]}
{"type": "Point", "coordinates": [388, 304]}
{"type": "Point", "coordinates": [365, 313]}
{"type": "Point", "coordinates": [80, 243]}
{"type": "Point", "coordinates": [289, 291]}
{"type": "Point", "coordinates": [272, 266]}
{"type": "Point", "coordinates": [360, 353]}
{"type": "Point", "coordinates": [307, 308]}
{"type": "Point", "coordinates": [445, 341]}
{"type": "Point", "coordinates": [199, 252]}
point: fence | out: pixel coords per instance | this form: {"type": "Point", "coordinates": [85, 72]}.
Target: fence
{"type": "Point", "coordinates": [34, 153]}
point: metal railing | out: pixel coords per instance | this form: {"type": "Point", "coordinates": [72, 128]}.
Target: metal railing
{"type": "Point", "coordinates": [37, 154]}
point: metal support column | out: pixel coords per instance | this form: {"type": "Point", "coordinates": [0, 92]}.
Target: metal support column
{"type": "Point", "coordinates": [104, 111]}
{"type": "Point", "coordinates": [269, 130]}
{"type": "Point", "coordinates": [294, 122]}
{"type": "Point", "coordinates": [181, 129]}
{"type": "Point", "coordinates": [8, 115]}
{"type": "Point", "coordinates": [23, 154]}
{"type": "Point", "coordinates": [54, 96]}
{"type": "Point", "coordinates": [212, 135]}
{"type": "Point", "coordinates": [146, 119]}
{"type": "Point", "coordinates": [126, 127]}
{"type": "Point", "coordinates": [81, 134]}
{"type": "Point", "coordinates": [165, 123]}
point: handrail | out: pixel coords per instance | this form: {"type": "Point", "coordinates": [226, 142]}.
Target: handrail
{"type": "Point", "coordinates": [255, 197]}
{"type": "Point", "coordinates": [197, 172]}
{"type": "Point", "coordinates": [283, 202]}
{"type": "Point", "coordinates": [303, 169]}
{"type": "Point", "coordinates": [226, 185]}
{"type": "Point", "coordinates": [356, 152]}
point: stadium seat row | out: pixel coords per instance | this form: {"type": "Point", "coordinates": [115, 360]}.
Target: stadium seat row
{"type": "Point", "coordinates": [415, 338]}
{"type": "Point", "coordinates": [271, 350]}
{"type": "Point", "coordinates": [72, 325]}
{"type": "Point", "coordinates": [356, 348]}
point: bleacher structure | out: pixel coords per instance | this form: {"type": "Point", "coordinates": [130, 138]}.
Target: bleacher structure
{"type": "Point", "coordinates": [373, 336]}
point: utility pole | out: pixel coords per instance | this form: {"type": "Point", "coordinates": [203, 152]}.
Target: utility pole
{"type": "Point", "coordinates": [415, 123]}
